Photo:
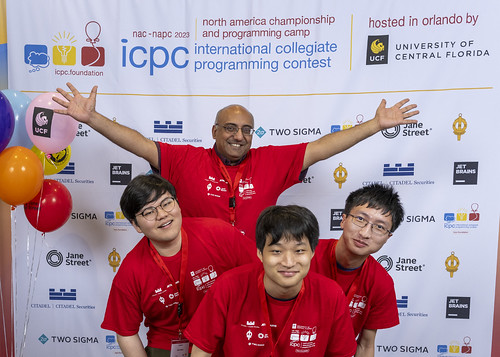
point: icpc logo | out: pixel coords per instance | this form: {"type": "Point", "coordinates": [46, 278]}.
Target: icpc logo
{"type": "Point", "coordinates": [65, 53]}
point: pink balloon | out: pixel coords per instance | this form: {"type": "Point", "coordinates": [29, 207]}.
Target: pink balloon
{"type": "Point", "coordinates": [49, 131]}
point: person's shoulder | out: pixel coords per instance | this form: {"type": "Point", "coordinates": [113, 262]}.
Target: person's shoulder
{"type": "Point", "coordinates": [207, 224]}
{"type": "Point", "coordinates": [324, 284]}
{"type": "Point", "coordinates": [239, 276]}
{"type": "Point", "coordinates": [378, 273]}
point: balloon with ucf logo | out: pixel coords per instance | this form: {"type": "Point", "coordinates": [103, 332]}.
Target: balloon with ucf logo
{"type": "Point", "coordinates": [49, 131]}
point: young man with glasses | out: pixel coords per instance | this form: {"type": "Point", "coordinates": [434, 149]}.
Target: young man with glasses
{"type": "Point", "coordinates": [277, 307]}
{"type": "Point", "coordinates": [230, 181]}
{"type": "Point", "coordinates": [371, 215]}
{"type": "Point", "coordinates": [165, 276]}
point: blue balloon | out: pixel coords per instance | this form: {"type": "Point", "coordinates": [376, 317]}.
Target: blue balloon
{"type": "Point", "coordinates": [6, 121]}
{"type": "Point", "coordinates": [19, 103]}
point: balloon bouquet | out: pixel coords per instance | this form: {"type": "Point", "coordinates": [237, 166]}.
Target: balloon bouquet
{"type": "Point", "coordinates": [47, 203]}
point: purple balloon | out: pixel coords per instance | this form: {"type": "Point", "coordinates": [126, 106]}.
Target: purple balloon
{"type": "Point", "coordinates": [7, 121]}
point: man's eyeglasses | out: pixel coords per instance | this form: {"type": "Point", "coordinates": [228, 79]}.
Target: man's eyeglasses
{"type": "Point", "coordinates": [233, 129]}
{"type": "Point", "coordinates": [151, 213]}
{"type": "Point", "coordinates": [377, 229]}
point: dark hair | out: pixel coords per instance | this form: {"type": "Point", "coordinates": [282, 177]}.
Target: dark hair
{"type": "Point", "coordinates": [286, 222]}
{"type": "Point", "coordinates": [379, 196]}
{"type": "Point", "coordinates": [142, 190]}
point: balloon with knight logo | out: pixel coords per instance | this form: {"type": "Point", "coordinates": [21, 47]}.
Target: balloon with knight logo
{"type": "Point", "coordinates": [49, 131]}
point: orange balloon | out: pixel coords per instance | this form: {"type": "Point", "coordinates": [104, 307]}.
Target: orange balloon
{"type": "Point", "coordinates": [21, 175]}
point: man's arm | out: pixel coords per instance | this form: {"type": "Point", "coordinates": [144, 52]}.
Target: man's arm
{"type": "Point", "coordinates": [131, 346]}
{"type": "Point", "coordinates": [198, 352]}
{"type": "Point", "coordinates": [366, 343]}
{"type": "Point", "coordinates": [334, 143]}
{"type": "Point", "coordinates": [83, 110]}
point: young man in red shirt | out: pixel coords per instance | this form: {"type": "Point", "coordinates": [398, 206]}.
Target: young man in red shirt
{"type": "Point", "coordinates": [277, 307]}
{"type": "Point", "coordinates": [231, 181]}
{"type": "Point", "coordinates": [371, 215]}
{"type": "Point", "coordinates": [165, 276]}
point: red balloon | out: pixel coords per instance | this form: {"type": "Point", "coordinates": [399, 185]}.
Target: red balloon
{"type": "Point", "coordinates": [51, 208]}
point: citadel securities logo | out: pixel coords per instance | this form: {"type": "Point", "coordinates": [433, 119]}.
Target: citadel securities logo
{"type": "Point", "coordinates": [399, 172]}
{"type": "Point", "coordinates": [168, 127]}
{"type": "Point", "coordinates": [64, 53]}
{"type": "Point", "coordinates": [407, 130]}
{"type": "Point", "coordinates": [403, 303]}
{"type": "Point", "coordinates": [377, 50]}
{"type": "Point", "coordinates": [70, 169]}
{"type": "Point", "coordinates": [171, 128]}
{"type": "Point", "coordinates": [465, 172]}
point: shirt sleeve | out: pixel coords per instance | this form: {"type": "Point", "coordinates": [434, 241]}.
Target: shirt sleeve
{"type": "Point", "coordinates": [123, 314]}
{"type": "Point", "coordinates": [383, 310]}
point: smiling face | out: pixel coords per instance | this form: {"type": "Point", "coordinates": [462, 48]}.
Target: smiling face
{"type": "Point", "coordinates": [164, 231]}
{"type": "Point", "coordinates": [286, 264]}
{"type": "Point", "coordinates": [232, 146]}
{"type": "Point", "coordinates": [357, 243]}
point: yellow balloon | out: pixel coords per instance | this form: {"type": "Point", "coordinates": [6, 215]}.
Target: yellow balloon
{"type": "Point", "coordinates": [53, 163]}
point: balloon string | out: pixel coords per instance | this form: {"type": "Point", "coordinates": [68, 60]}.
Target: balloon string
{"type": "Point", "coordinates": [3, 319]}
{"type": "Point", "coordinates": [31, 282]}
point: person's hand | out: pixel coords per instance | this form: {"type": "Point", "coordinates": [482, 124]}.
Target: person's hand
{"type": "Point", "coordinates": [77, 106]}
{"type": "Point", "coordinates": [395, 115]}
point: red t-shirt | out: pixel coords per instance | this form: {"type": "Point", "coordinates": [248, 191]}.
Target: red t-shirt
{"type": "Point", "coordinates": [231, 316]}
{"type": "Point", "coordinates": [373, 304]}
{"type": "Point", "coordinates": [203, 192]}
{"type": "Point", "coordinates": [141, 289]}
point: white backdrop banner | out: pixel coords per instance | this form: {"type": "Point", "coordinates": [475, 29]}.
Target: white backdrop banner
{"type": "Point", "coordinates": [304, 69]}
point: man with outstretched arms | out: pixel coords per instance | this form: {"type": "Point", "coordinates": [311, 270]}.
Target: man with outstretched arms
{"type": "Point", "coordinates": [230, 181]}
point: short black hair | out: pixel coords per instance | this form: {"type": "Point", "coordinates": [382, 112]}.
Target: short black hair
{"type": "Point", "coordinates": [378, 196]}
{"type": "Point", "coordinates": [286, 222]}
{"type": "Point", "coordinates": [143, 189]}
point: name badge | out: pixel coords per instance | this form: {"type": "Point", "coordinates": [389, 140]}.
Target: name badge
{"type": "Point", "coordinates": [179, 348]}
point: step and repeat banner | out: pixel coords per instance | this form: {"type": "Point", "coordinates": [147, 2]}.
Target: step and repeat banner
{"type": "Point", "coordinates": [304, 69]}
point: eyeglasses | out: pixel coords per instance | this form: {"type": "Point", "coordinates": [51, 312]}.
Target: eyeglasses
{"type": "Point", "coordinates": [151, 213]}
{"type": "Point", "coordinates": [233, 129]}
{"type": "Point", "coordinates": [377, 229]}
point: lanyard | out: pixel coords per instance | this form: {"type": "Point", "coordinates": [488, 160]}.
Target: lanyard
{"type": "Point", "coordinates": [265, 310]}
{"type": "Point", "coordinates": [233, 186]}
{"type": "Point", "coordinates": [182, 276]}
{"type": "Point", "coordinates": [333, 269]}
